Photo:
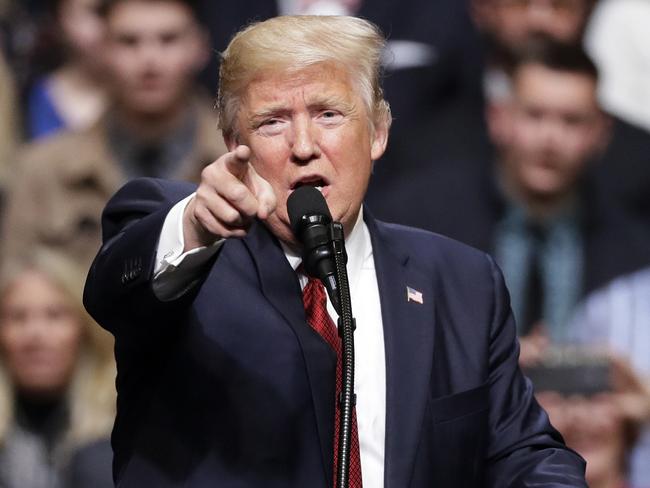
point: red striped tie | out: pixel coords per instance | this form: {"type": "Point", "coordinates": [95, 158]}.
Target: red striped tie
{"type": "Point", "coordinates": [315, 302]}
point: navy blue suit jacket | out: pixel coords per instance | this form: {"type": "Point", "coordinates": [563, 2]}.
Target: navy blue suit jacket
{"type": "Point", "coordinates": [229, 386]}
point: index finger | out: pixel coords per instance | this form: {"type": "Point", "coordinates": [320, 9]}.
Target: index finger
{"type": "Point", "coordinates": [237, 161]}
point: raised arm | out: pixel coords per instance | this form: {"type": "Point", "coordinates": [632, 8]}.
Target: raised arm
{"type": "Point", "coordinates": [119, 287]}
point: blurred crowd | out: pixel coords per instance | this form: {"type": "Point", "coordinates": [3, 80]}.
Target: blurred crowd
{"type": "Point", "coordinates": [521, 127]}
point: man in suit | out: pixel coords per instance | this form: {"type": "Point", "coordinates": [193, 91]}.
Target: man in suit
{"type": "Point", "coordinates": [223, 378]}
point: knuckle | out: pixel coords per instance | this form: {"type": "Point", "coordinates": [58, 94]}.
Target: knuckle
{"type": "Point", "coordinates": [230, 216]}
{"type": "Point", "coordinates": [238, 193]}
{"type": "Point", "coordinates": [201, 194]}
{"type": "Point", "coordinates": [207, 172]}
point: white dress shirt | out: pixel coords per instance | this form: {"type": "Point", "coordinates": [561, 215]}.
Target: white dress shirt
{"type": "Point", "coordinates": [176, 272]}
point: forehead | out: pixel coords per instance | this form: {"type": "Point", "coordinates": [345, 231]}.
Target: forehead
{"type": "Point", "coordinates": [136, 16]}
{"type": "Point", "coordinates": [32, 286]}
{"type": "Point", "coordinates": [537, 84]}
{"type": "Point", "coordinates": [312, 85]}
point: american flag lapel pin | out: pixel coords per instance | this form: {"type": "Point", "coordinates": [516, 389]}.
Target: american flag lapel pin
{"type": "Point", "coordinates": [413, 295]}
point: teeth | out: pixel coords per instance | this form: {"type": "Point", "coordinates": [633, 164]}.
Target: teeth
{"type": "Point", "coordinates": [319, 188]}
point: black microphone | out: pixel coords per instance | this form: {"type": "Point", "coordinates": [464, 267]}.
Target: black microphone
{"type": "Point", "coordinates": [310, 221]}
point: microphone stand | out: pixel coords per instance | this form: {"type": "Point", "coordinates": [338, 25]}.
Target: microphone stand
{"type": "Point", "coordinates": [346, 326]}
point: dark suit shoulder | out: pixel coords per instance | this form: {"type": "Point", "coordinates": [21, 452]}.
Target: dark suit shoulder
{"type": "Point", "coordinates": [140, 197]}
{"type": "Point", "coordinates": [431, 246]}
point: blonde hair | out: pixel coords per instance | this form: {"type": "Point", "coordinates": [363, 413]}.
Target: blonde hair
{"type": "Point", "coordinates": [293, 43]}
{"type": "Point", "coordinates": [91, 394]}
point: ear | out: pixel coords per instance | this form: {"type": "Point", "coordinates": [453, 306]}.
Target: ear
{"type": "Point", "coordinates": [603, 132]}
{"type": "Point", "coordinates": [498, 117]}
{"type": "Point", "coordinates": [231, 142]}
{"type": "Point", "coordinates": [379, 138]}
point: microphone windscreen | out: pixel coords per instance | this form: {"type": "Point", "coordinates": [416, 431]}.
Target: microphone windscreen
{"type": "Point", "coordinates": [306, 200]}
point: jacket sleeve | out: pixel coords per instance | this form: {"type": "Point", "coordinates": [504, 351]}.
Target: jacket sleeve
{"type": "Point", "coordinates": [525, 450]}
{"type": "Point", "coordinates": [118, 292]}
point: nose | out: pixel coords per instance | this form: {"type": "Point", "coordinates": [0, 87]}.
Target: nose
{"type": "Point", "coordinates": [303, 140]}
{"type": "Point", "coordinates": [149, 53]}
{"type": "Point", "coordinates": [550, 133]}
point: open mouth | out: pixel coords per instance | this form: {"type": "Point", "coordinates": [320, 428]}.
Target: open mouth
{"type": "Point", "coordinates": [316, 182]}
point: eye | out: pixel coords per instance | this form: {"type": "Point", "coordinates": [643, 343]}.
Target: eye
{"type": "Point", "coordinates": [330, 117]}
{"type": "Point", "coordinates": [127, 40]}
{"type": "Point", "coordinates": [271, 126]}
{"type": "Point", "coordinates": [534, 114]}
{"type": "Point", "coordinates": [169, 38]}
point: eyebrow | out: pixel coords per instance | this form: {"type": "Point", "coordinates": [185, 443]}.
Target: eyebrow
{"type": "Point", "coordinates": [318, 102]}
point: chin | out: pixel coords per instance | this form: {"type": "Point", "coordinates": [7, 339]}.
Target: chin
{"type": "Point", "coordinates": [281, 230]}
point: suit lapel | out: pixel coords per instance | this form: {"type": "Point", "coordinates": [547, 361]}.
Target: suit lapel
{"type": "Point", "coordinates": [280, 286]}
{"type": "Point", "coordinates": [408, 336]}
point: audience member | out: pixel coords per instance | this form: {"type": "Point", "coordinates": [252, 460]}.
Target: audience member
{"type": "Point", "coordinates": [73, 96]}
{"type": "Point", "coordinates": [623, 169]}
{"type": "Point", "coordinates": [616, 318]}
{"type": "Point", "coordinates": [57, 376]}
{"type": "Point", "coordinates": [555, 235]}
{"type": "Point", "coordinates": [598, 431]}
{"type": "Point", "coordinates": [603, 425]}
{"type": "Point", "coordinates": [509, 24]}
{"type": "Point", "coordinates": [157, 126]}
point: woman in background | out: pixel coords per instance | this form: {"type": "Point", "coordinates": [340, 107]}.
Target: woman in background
{"type": "Point", "coordinates": [56, 375]}
{"type": "Point", "coordinates": [72, 96]}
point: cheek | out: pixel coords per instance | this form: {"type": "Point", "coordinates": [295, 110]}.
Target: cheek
{"type": "Point", "coordinates": [270, 157]}
{"type": "Point", "coordinates": [523, 135]}
{"type": "Point", "coordinates": [565, 28]}
{"type": "Point", "coordinates": [175, 64]}
{"type": "Point", "coordinates": [511, 25]}
{"type": "Point", "coordinates": [583, 145]}
{"type": "Point", "coordinates": [68, 336]}
{"type": "Point", "coordinates": [10, 340]}
{"type": "Point", "coordinates": [121, 67]}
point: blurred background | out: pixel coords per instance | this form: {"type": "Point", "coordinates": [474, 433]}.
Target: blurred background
{"type": "Point", "coordinates": [521, 127]}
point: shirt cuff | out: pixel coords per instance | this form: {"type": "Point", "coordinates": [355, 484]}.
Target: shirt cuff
{"type": "Point", "coordinates": [175, 271]}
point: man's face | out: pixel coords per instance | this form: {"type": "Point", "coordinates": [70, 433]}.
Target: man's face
{"type": "Point", "coordinates": [154, 51]}
{"type": "Point", "coordinates": [556, 128]}
{"type": "Point", "coordinates": [513, 22]}
{"type": "Point", "coordinates": [310, 128]}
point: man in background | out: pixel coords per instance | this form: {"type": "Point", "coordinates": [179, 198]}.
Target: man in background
{"type": "Point", "coordinates": [157, 125]}
{"type": "Point", "coordinates": [622, 172]}
{"type": "Point", "coordinates": [556, 237]}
